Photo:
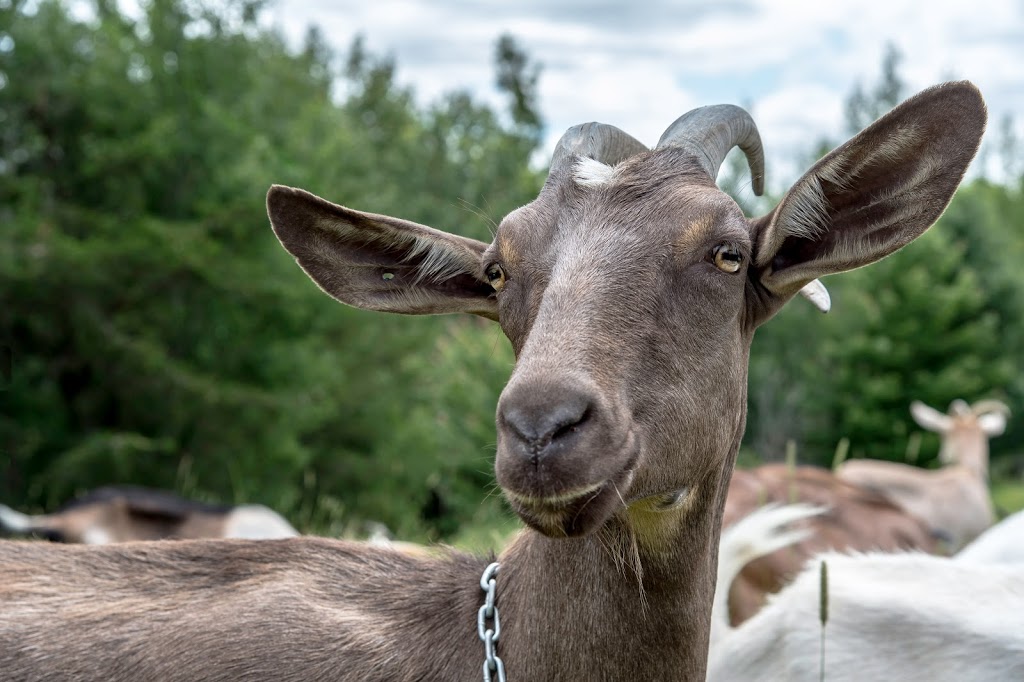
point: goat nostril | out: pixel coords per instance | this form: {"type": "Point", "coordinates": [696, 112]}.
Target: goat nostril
{"type": "Point", "coordinates": [538, 426]}
{"type": "Point", "coordinates": [570, 425]}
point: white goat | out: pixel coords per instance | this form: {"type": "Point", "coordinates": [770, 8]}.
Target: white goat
{"type": "Point", "coordinates": [953, 500]}
{"type": "Point", "coordinates": [909, 617]}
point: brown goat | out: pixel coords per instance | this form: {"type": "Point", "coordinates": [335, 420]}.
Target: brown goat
{"type": "Point", "coordinates": [953, 500]}
{"type": "Point", "coordinates": [630, 290]}
{"type": "Point", "coordinates": [856, 519]}
{"type": "Point", "coordinates": [126, 513]}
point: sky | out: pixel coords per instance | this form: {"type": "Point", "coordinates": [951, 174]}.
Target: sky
{"type": "Point", "coordinates": [641, 64]}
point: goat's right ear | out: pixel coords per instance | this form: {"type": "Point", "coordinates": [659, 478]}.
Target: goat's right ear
{"type": "Point", "coordinates": [872, 195]}
{"type": "Point", "coordinates": [381, 263]}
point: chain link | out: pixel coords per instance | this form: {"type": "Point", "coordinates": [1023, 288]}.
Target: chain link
{"type": "Point", "coordinates": [494, 669]}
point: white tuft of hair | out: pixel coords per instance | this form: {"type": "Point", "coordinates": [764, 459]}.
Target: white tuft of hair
{"type": "Point", "coordinates": [815, 292]}
{"type": "Point", "coordinates": [591, 173]}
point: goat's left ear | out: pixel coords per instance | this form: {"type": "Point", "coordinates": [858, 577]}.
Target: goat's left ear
{"type": "Point", "coordinates": [872, 195]}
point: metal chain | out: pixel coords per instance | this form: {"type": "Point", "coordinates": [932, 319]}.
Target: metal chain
{"type": "Point", "coordinates": [489, 635]}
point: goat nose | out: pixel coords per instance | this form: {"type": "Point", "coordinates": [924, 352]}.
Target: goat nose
{"type": "Point", "coordinates": [544, 426]}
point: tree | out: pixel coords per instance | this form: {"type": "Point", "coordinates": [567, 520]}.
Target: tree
{"type": "Point", "coordinates": [863, 108]}
{"type": "Point", "coordinates": [161, 336]}
{"type": "Point", "coordinates": [518, 78]}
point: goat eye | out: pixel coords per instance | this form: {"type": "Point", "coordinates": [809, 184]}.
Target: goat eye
{"type": "Point", "coordinates": [726, 258]}
{"type": "Point", "coordinates": [495, 276]}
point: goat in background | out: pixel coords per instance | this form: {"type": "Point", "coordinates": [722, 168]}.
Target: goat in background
{"type": "Point", "coordinates": [954, 500]}
{"type": "Point", "coordinates": [126, 513]}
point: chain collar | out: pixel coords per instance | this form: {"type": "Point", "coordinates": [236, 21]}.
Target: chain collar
{"type": "Point", "coordinates": [488, 634]}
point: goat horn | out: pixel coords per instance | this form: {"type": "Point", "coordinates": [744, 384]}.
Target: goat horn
{"type": "Point", "coordinates": [598, 141]}
{"type": "Point", "coordinates": [985, 406]}
{"type": "Point", "coordinates": [708, 133]}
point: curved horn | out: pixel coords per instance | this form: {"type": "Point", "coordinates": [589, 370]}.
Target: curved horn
{"type": "Point", "coordinates": [710, 132]}
{"type": "Point", "coordinates": [598, 141]}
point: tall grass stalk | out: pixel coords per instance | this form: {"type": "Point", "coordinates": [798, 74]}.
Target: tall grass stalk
{"type": "Point", "coordinates": [791, 470]}
{"type": "Point", "coordinates": [823, 614]}
{"type": "Point", "coordinates": [842, 450]}
{"type": "Point", "coordinates": [913, 447]}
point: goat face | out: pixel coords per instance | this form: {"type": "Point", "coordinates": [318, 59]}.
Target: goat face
{"type": "Point", "coordinates": [624, 300]}
{"type": "Point", "coordinates": [631, 288]}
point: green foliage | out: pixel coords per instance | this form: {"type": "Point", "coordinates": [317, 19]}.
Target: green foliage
{"type": "Point", "coordinates": [161, 335]}
{"type": "Point", "coordinates": [915, 326]}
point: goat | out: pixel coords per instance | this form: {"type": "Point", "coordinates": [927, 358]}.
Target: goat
{"type": "Point", "coordinates": [125, 513]}
{"type": "Point", "coordinates": [910, 617]}
{"type": "Point", "coordinates": [954, 500]}
{"type": "Point", "coordinates": [856, 519]}
{"type": "Point", "coordinates": [630, 290]}
{"type": "Point", "coordinates": [1003, 543]}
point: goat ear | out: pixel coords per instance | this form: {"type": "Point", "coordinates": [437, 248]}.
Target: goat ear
{"type": "Point", "coordinates": [380, 263]}
{"type": "Point", "coordinates": [929, 418]}
{"type": "Point", "coordinates": [875, 193]}
{"type": "Point", "coordinates": [992, 424]}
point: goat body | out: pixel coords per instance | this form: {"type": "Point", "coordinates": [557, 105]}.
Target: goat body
{"type": "Point", "coordinates": [908, 617]}
{"type": "Point", "coordinates": [304, 609]}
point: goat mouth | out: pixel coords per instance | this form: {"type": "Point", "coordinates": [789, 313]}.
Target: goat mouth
{"type": "Point", "coordinates": [575, 512]}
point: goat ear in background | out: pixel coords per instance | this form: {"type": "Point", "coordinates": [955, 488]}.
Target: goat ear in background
{"type": "Point", "coordinates": [929, 418]}
{"type": "Point", "coordinates": [874, 194]}
{"type": "Point", "coordinates": [992, 424]}
{"type": "Point", "coordinates": [380, 263]}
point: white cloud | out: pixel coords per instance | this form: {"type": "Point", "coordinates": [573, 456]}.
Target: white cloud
{"type": "Point", "coordinates": [641, 66]}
